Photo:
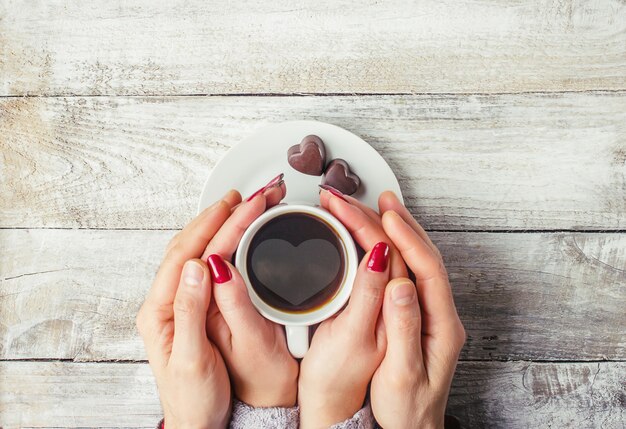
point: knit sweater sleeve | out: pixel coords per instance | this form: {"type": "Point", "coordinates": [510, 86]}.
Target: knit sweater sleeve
{"type": "Point", "coordinates": [244, 416]}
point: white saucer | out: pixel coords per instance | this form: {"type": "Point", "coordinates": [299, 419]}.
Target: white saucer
{"type": "Point", "coordinates": [256, 160]}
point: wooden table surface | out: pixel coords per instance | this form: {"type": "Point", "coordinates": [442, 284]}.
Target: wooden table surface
{"type": "Point", "coordinates": [504, 120]}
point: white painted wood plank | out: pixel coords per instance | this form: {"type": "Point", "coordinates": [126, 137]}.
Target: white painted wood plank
{"type": "Point", "coordinates": [539, 395]}
{"type": "Point", "coordinates": [62, 394]}
{"type": "Point", "coordinates": [485, 395]}
{"type": "Point", "coordinates": [464, 162]}
{"type": "Point", "coordinates": [539, 296]}
{"type": "Point", "coordinates": [287, 46]}
{"type": "Point", "coordinates": [74, 294]}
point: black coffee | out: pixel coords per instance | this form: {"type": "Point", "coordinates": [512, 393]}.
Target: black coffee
{"type": "Point", "coordinates": [296, 262]}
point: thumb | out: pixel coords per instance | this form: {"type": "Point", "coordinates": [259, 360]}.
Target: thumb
{"type": "Point", "coordinates": [232, 299]}
{"type": "Point", "coordinates": [190, 308]}
{"type": "Point", "coordinates": [401, 313]}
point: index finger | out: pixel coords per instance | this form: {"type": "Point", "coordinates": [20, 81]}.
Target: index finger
{"type": "Point", "coordinates": [191, 243]}
{"type": "Point", "coordinates": [325, 197]}
{"type": "Point", "coordinates": [389, 201]}
{"type": "Point", "coordinates": [435, 294]}
{"type": "Point", "coordinates": [232, 198]}
{"type": "Point", "coordinates": [365, 231]}
{"type": "Point", "coordinates": [226, 240]}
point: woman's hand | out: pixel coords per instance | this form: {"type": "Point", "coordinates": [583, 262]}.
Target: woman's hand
{"type": "Point", "coordinates": [190, 373]}
{"type": "Point", "coordinates": [347, 349]}
{"type": "Point", "coordinates": [424, 334]}
{"type": "Point", "coordinates": [263, 372]}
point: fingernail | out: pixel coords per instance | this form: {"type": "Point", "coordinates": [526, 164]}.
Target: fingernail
{"type": "Point", "coordinates": [276, 185]}
{"type": "Point", "coordinates": [276, 181]}
{"type": "Point", "coordinates": [335, 192]}
{"type": "Point", "coordinates": [403, 294]}
{"type": "Point", "coordinates": [379, 257]}
{"type": "Point", "coordinates": [192, 274]}
{"type": "Point", "coordinates": [219, 270]}
{"type": "Point", "coordinates": [396, 217]}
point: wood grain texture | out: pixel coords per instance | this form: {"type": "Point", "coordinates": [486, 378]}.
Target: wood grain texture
{"type": "Point", "coordinates": [500, 162]}
{"type": "Point", "coordinates": [484, 395]}
{"type": "Point", "coordinates": [67, 294]}
{"type": "Point", "coordinates": [61, 394]}
{"type": "Point", "coordinates": [286, 46]}
{"type": "Point", "coordinates": [539, 395]}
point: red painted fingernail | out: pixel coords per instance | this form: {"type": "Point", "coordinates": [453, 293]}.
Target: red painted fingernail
{"type": "Point", "coordinates": [219, 270]}
{"type": "Point", "coordinates": [276, 181]}
{"type": "Point", "coordinates": [378, 257]}
{"type": "Point", "coordinates": [335, 192]}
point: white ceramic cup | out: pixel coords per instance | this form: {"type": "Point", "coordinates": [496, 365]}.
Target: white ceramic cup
{"type": "Point", "coordinates": [297, 323]}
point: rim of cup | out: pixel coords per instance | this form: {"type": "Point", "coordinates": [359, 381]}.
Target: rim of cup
{"type": "Point", "coordinates": [340, 298]}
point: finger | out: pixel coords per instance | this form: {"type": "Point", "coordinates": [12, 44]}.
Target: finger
{"type": "Point", "coordinates": [227, 239]}
{"type": "Point", "coordinates": [232, 299]}
{"type": "Point", "coordinates": [217, 329]}
{"type": "Point", "coordinates": [156, 330]}
{"type": "Point", "coordinates": [190, 245]}
{"type": "Point", "coordinates": [433, 288]}
{"type": "Point", "coordinates": [276, 182]}
{"type": "Point", "coordinates": [325, 197]}
{"type": "Point", "coordinates": [190, 308]}
{"type": "Point", "coordinates": [401, 312]}
{"type": "Point", "coordinates": [274, 196]}
{"type": "Point", "coordinates": [389, 201]}
{"type": "Point", "coordinates": [231, 198]}
{"type": "Point", "coordinates": [370, 212]}
{"type": "Point", "coordinates": [367, 294]}
{"type": "Point", "coordinates": [365, 232]}
{"type": "Point", "coordinates": [381, 334]}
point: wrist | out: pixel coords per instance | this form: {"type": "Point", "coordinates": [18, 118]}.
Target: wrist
{"type": "Point", "coordinates": [269, 401]}
{"type": "Point", "coordinates": [433, 423]}
{"type": "Point", "coordinates": [260, 398]}
{"type": "Point", "coordinates": [326, 419]}
{"type": "Point", "coordinates": [426, 421]}
{"type": "Point", "coordinates": [286, 395]}
{"type": "Point", "coordinates": [326, 411]}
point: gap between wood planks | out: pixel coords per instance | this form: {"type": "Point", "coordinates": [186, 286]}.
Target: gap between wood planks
{"type": "Point", "coordinates": [471, 231]}
{"type": "Point", "coordinates": [321, 94]}
{"type": "Point", "coordinates": [142, 361]}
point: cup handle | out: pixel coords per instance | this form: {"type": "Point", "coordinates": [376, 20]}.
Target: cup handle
{"type": "Point", "coordinates": [297, 340]}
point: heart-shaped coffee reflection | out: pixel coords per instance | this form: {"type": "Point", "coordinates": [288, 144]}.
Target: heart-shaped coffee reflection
{"type": "Point", "coordinates": [291, 273]}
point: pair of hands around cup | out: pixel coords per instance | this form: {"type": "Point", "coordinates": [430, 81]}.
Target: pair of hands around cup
{"type": "Point", "coordinates": [199, 326]}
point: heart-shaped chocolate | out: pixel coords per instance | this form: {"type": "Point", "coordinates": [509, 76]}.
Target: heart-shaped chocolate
{"type": "Point", "coordinates": [339, 176]}
{"type": "Point", "coordinates": [308, 157]}
{"type": "Point", "coordinates": [284, 271]}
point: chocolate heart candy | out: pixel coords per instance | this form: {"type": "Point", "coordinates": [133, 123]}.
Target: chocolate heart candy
{"type": "Point", "coordinates": [309, 156]}
{"type": "Point", "coordinates": [339, 176]}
